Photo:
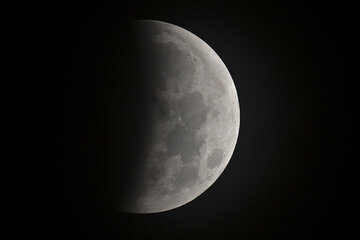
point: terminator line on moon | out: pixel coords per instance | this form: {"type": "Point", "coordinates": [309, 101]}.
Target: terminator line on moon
{"type": "Point", "coordinates": [195, 119]}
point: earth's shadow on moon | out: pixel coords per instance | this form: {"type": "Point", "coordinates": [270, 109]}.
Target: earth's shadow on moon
{"type": "Point", "coordinates": [101, 103]}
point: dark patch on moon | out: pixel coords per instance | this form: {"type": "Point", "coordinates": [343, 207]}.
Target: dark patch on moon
{"type": "Point", "coordinates": [193, 110]}
{"type": "Point", "coordinates": [159, 109]}
{"type": "Point", "coordinates": [183, 141]}
{"type": "Point", "coordinates": [186, 177]}
{"type": "Point", "coordinates": [157, 170]}
{"type": "Point", "coordinates": [173, 64]}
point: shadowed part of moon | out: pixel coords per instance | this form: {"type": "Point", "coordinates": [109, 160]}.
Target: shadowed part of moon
{"type": "Point", "coordinates": [192, 118]}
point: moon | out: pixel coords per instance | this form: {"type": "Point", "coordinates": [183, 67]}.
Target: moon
{"type": "Point", "coordinates": [194, 118]}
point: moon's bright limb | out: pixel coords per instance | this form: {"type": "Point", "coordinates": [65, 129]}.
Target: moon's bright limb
{"type": "Point", "coordinates": [195, 119]}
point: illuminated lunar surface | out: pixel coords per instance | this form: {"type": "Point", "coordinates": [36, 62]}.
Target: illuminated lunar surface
{"type": "Point", "coordinates": [194, 119]}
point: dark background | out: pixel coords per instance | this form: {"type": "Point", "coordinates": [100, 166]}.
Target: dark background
{"type": "Point", "coordinates": [292, 170]}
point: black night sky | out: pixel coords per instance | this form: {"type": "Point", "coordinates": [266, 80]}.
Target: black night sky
{"type": "Point", "coordinates": [291, 171]}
